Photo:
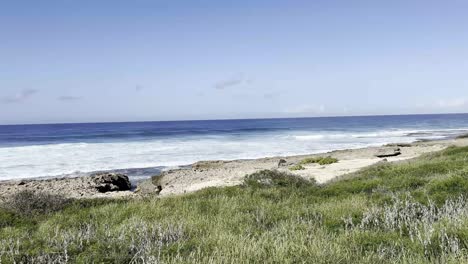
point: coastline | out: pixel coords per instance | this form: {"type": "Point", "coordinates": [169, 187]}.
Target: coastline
{"type": "Point", "coordinates": [205, 174]}
{"type": "Point", "coordinates": [217, 173]}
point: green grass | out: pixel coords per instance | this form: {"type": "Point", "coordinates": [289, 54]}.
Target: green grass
{"type": "Point", "coordinates": [411, 212]}
{"type": "Point", "coordinates": [319, 160]}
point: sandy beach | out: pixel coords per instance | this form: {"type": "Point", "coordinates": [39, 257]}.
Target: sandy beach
{"type": "Point", "coordinates": [227, 173]}
{"type": "Point", "coordinates": [205, 174]}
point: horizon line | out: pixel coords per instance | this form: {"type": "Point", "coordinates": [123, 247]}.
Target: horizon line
{"type": "Point", "coordinates": [225, 119]}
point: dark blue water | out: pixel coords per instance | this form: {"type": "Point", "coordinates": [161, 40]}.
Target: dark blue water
{"type": "Point", "coordinates": [62, 149]}
{"type": "Point", "coordinates": [24, 135]}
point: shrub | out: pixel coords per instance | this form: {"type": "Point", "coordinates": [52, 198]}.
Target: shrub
{"type": "Point", "coordinates": [463, 136]}
{"type": "Point", "coordinates": [327, 160]}
{"type": "Point", "coordinates": [319, 160]}
{"type": "Point", "coordinates": [296, 167]}
{"type": "Point", "coordinates": [269, 178]}
{"type": "Point", "coordinates": [28, 203]}
{"type": "Point", "coordinates": [157, 179]}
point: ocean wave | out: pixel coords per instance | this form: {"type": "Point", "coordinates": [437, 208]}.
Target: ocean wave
{"type": "Point", "coordinates": [138, 158]}
{"type": "Point", "coordinates": [436, 133]}
{"type": "Point", "coordinates": [69, 158]}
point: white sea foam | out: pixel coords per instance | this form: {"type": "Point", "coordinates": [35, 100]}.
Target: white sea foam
{"type": "Point", "coordinates": [78, 158]}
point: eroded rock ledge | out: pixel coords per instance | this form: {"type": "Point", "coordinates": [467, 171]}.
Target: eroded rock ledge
{"type": "Point", "coordinates": [94, 186]}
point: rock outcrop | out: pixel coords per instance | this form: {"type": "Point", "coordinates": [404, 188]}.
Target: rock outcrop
{"type": "Point", "coordinates": [389, 152]}
{"type": "Point", "coordinates": [111, 182]}
{"type": "Point", "coordinates": [282, 163]}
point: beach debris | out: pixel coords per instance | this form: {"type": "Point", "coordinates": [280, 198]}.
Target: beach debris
{"type": "Point", "coordinates": [385, 153]}
{"type": "Point", "coordinates": [111, 182]}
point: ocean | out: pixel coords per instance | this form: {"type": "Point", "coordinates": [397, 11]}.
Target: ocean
{"type": "Point", "coordinates": [142, 149]}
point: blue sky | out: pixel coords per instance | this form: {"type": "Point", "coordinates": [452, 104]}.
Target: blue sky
{"type": "Point", "coordinates": [89, 61]}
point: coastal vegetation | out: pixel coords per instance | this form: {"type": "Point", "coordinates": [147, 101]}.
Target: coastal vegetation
{"type": "Point", "coordinates": [296, 167]}
{"type": "Point", "coordinates": [409, 212]}
{"type": "Point", "coordinates": [319, 160]}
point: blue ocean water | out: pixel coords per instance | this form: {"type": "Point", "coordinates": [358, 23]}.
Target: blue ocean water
{"type": "Point", "coordinates": [141, 149]}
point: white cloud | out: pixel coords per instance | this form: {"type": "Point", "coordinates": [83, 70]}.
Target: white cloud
{"type": "Point", "coordinates": [234, 81]}
{"type": "Point", "coordinates": [68, 98]}
{"type": "Point", "coordinates": [19, 97]}
{"type": "Point", "coordinates": [452, 103]}
{"type": "Point", "coordinates": [322, 108]}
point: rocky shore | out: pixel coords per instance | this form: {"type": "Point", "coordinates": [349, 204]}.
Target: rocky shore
{"type": "Point", "coordinates": [95, 186]}
{"type": "Point", "coordinates": [205, 174]}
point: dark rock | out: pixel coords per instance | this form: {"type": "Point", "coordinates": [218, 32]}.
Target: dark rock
{"type": "Point", "coordinates": [111, 182]}
{"type": "Point", "coordinates": [22, 183]}
{"type": "Point", "coordinates": [384, 153]}
{"type": "Point", "coordinates": [402, 145]}
{"type": "Point", "coordinates": [282, 163]}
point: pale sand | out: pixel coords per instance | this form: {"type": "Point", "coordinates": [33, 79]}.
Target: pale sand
{"type": "Point", "coordinates": [228, 173]}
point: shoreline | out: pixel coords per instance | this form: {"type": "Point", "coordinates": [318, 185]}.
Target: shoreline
{"type": "Point", "coordinates": [219, 173]}
{"type": "Point", "coordinates": [205, 174]}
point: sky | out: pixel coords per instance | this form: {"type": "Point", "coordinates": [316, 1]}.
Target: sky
{"type": "Point", "coordinates": [147, 60]}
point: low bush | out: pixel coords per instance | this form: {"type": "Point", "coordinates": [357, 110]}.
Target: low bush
{"type": "Point", "coordinates": [271, 178]}
{"type": "Point", "coordinates": [28, 203]}
{"type": "Point", "coordinates": [320, 160]}
{"type": "Point", "coordinates": [296, 167]}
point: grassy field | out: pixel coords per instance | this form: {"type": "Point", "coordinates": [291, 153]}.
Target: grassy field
{"type": "Point", "coordinates": [412, 212]}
